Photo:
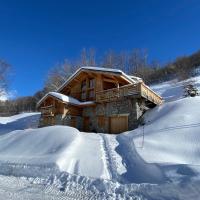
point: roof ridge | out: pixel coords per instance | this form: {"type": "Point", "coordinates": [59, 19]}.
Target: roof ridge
{"type": "Point", "coordinates": [136, 79]}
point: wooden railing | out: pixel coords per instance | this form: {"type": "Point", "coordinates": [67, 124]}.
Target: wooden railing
{"type": "Point", "coordinates": [137, 90]}
{"type": "Point", "coordinates": [47, 110]}
{"type": "Point", "coordinates": [149, 94]}
{"type": "Point", "coordinates": [115, 93]}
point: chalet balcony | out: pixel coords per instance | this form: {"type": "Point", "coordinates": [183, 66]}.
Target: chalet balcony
{"type": "Point", "coordinates": [115, 93]}
{"type": "Point", "coordinates": [47, 111]}
{"type": "Point", "coordinates": [134, 90]}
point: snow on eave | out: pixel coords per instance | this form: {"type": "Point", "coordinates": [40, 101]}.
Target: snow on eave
{"type": "Point", "coordinates": [65, 99]}
{"type": "Point", "coordinates": [135, 78]}
{"type": "Point", "coordinates": [131, 79]}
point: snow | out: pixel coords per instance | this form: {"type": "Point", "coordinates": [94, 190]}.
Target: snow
{"type": "Point", "coordinates": [65, 99]}
{"type": "Point", "coordinates": [6, 120]}
{"type": "Point", "coordinates": [102, 69]}
{"type": "Point", "coordinates": [113, 70]}
{"type": "Point", "coordinates": [84, 157]}
{"type": "Point", "coordinates": [19, 122]}
{"type": "Point", "coordinates": [173, 90]}
{"type": "Point", "coordinates": [60, 146]}
{"type": "Point", "coordinates": [176, 139]}
{"type": "Point", "coordinates": [159, 160]}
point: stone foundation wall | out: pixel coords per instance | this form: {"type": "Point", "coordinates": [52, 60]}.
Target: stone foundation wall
{"type": "Point", "coordinates": [131, 107]}
{"type": "Point", "coordinates": [128, 106]}
{"type": "Point", "coordinates": [67, 121]}
{"type": "Point", "coordinates": [91, 113]}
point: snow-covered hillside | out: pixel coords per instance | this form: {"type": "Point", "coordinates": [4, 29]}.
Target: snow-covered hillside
{"type": "Point", "coordinates": [174, 90]}
{"type": "Point", "coordinates": [159, 160]}
{"type": "Point", "coordinates": [19, 122]}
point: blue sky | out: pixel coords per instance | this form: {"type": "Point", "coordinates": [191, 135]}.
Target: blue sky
{"type": "Point", "coordinates": [37, 34]}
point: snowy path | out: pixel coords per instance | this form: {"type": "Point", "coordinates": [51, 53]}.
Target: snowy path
{"type": "Point", "coordinates": [87, 151]}
{"type": "Point", "coordinates": [113, 160]}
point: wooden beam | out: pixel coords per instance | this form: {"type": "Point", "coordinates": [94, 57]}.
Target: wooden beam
{"type": "Point", "coordinates": [76, 80]}
{"type": "Point", "coordinates": [91, 74]}
{"type": "Point", "coordinates": [109, 80]}
{"type": "Point", "coordinates": [124, 79]}
{"type": "Point", "coordinates": [113, 77]}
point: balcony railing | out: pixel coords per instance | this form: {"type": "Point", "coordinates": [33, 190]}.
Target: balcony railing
{"type": "Point", "coordinates": [136, 90]}
{"type": "Point", "coordinates": [150, 95]}
{"type": "Point", "coordinates": [48, 110]}
{"type": "Point", "coordinates": [115, 93]}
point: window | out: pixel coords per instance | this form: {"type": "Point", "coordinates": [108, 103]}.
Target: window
{"type": "Point", "coordinates": [91, 83]}
{"type": "Point", "coordinates": [87, 89]}
{"type": "Point", "coordinates": [83, 95]}
{"type": "Point", "coordinates": [83, 85]}
{"type": "Point", "coordinates": [91, 94]}
{"type": "Point", "coordinates": [83, 90]}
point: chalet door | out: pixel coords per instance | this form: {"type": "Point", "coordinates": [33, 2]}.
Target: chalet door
{"type": "Point", "coordinates": [86, 124]}
{"type": "Point", "coordinates": [118, 124]}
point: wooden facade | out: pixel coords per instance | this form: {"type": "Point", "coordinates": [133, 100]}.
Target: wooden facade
{"type": "Point", "coordinates": [98, 92]}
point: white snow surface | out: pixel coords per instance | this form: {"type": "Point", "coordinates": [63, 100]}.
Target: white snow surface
{"type": "Point", "coordinates": [19, 122]}
{"type": "Point", "coordinates": [6, 120]}
{"type": "Point", "coordinates": [159, 160]}
{"type": "Point", "coordinates": [174, 90]}
{"type": "Point", "coordinates": [171, 133]}
{"type": "Point", "coordinates": [66, 99]}
{"type": "Point", "coordinates": [62, 146]}
{"type": "Point", "coordinates": [134, 78]}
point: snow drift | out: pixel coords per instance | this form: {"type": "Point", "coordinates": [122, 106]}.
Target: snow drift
{"type": "Point", "coordinates": [61, 146]}
{"type": "Point", "coordinates": [171, 133]}
{"type": "Point", "coordinates": [19, 122]}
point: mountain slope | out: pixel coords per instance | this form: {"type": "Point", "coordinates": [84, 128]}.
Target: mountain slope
{"type": "Point", "coordinates": [19, 122]}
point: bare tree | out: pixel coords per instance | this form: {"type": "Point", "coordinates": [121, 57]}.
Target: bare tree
{"type": "Point", "coordinates": [109, 59]}
{"type": "Point", "coordinates": [4, 69]}
{"type": "Point", "coordinates": [58, 75]}
{"type": "Point", "coordinates": [92, 58]}
{"type": "Point", "coordinates": [121, 61]}
{"type": "Point", "coordinates": [84, 60]}
{"type": "Point", "coordinates": [182, 67]}
{"type": "Point", "coordinates": [138, 61]}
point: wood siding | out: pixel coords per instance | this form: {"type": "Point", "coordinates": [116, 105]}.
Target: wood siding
{"type": "Point", "coordinates": [118, 124]}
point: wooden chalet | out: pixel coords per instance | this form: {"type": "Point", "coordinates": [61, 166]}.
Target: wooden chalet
{"type": "Point", "coordinates": [98, 100]}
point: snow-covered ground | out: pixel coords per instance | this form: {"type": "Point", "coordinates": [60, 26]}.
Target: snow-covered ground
{"type": "Point", "coordinates": [19, 122]}
{"type": "Point", "coordinates": [173, 90]}
{"type": "Point", "coordinates": [159, 160]}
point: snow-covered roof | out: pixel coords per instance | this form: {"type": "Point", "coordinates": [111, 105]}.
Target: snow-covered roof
{"type": "Point", "coordinates": [65, 99]}
{"type": "Point", "coordinates": [131, 79]}
{"type": "Point", "coordinates": [102, 69]}
{"type": "Point", "coordinates": [135, 78]}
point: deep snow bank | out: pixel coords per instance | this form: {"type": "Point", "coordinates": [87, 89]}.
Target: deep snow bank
{"type": "Point", "coordinates": [171, 133]}
{"type": "Point", "coordinates": [19, 122]}
{"type": "Point", "coordinates": [62, 146]}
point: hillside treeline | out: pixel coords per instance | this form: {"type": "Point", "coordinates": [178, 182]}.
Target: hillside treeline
{"type": "Point", "coordinates": [135, 62]}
